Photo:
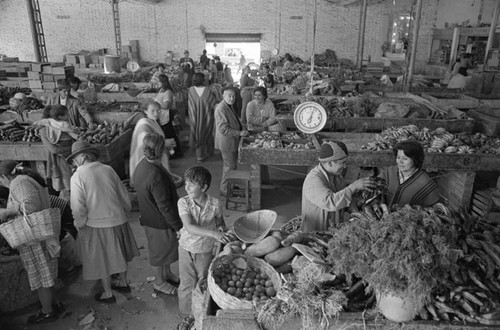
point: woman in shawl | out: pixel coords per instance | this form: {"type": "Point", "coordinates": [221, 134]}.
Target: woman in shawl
{"type": "Point", "coordinates": [142, 128]}
{"type": "Point", "coordinates": [407, 182]}
{"type": "Point", "coordinates": [57, 137]}
{"type": "Point", "coordinates": [202, 102]}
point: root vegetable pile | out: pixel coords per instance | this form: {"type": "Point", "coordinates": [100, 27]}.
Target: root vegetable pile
{"type": "Point", "coordinates": [15, 132]}
{"type": "Point", "coordinates": [102, 134]}
{"type": "Point", "coordinates": [7, 92]}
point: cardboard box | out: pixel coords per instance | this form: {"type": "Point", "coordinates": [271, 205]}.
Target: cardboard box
{"type": "Point", "coordinates": [63, 70]}
{"type": "Point", "coordinates": [37, 67]}
{"type": "Point", "coordinates": [84, 65]}
{"type": "Point", "coordinates": [49, 85]}
{"type": "Point", "coordinates": [101, 59]}
{"type": "Point", "coordinates": [134, 45]}
{"type": "Point", "coordinates": [94, 59]}
{"type": "Point", "coordinates": [47, 78]}
{"type": "Point", "coordinates": [47, 69]}
{"type": "Point", "coordinates": [34, 75]}
{"type": "Point", "coordinates": [59, 77]}
{"type": "Point", "coordinates": [84, 59]}
{"type": "Point", "coordinates": [37, 90]}
{"type": "Point", "coordinates": [126, 49]}
{"type": "Point", "coordinates": [72, 59]}
{"type": "Point", "coordinates": [35, 84]}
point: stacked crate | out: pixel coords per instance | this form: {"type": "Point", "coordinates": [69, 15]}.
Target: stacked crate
{"type": "Point", "coordinates": [43, 76]}
{"type": "Point", "coordinates": [78, 61]}
{"type": "Point", "coordinates": [132, 52]}
{"type": "Point", "coordinates": [13, 69]}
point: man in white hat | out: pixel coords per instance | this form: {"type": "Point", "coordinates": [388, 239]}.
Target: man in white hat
{"type": "Point", "coordinates": [325, 193]}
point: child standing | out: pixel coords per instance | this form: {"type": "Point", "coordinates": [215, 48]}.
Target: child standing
{"type": "Point", "coordinates": [203, 225]}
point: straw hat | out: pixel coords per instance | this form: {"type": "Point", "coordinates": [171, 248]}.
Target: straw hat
{"type": "Point", "coordinates": [81, 146]}
{"type": "Point", "coordinates": [254, 226]}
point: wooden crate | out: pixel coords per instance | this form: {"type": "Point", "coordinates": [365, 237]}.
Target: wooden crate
{"type": "Point", "coordinates": [487, 100]}
{"type": "Point", "coordinates": [485, 123]}
{"type": "Point", "coordinates": [458, 100]}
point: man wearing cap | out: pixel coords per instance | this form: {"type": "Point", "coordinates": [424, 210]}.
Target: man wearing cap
{"type": "Point", "coordinates": [187, 65]}
{"type": "Point", "coordinates": [228, 129]}
{"type": "Point", "coordinates": [325, 194]}
{"type": "Point", "coordinates": [78, 115]}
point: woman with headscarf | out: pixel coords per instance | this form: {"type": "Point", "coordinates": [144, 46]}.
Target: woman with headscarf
{"type": "Point", "coordinates": [202, 101]}
{"type": "Point", "coordinates": [142, 128]}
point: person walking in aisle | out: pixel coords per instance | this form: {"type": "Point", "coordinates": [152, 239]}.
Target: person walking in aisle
{"type": "Point", "coordinates": [202, 101]}
{"type": "Point", "coordinates": [100, 202]}
{"type": "Point", "coordinates": [227, 133]}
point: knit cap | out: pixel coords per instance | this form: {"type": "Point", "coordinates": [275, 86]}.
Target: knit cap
{"type": "Point", "coordinates": [331, 151]}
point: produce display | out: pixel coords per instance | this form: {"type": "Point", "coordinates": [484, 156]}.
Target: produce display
{"type": "Point", "coordinates": [472, 291]}
{"type": "Point", "coordinates": [7, 92]}
{"type": "Point", "coordinates": [275, 140]}
{"type": "Point", "coordinates": [435, 141]}
{"type": "Point", "coordinates": [103, 133]}
{"type": "Point", "coordinates": [244, 281]}
{"type": "Point", "coordinates": [16, 132]}
{"type": "Point", "coordinates": [111, 106]}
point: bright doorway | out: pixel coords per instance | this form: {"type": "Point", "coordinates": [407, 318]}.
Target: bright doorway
{"type": "Point", "coordinates": [230, 52]}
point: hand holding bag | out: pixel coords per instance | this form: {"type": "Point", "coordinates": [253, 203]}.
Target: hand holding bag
{"type": "Point", "coordinates": [35, 227]}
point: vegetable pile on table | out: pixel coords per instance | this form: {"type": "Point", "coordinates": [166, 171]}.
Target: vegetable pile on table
{"type": "Point", "coordinates": [7, 92]}
{"type": "Point", "coordinates": [472, 291]}
{"type": "Point", "coordinates": [275, 140]}
{"type": "Point", "coordinates": [103, 133]}
{"type": "Point", "coordinates": [111, 106]}
{"type": "Point", "coordinates": [243, 281]}
{"type": "Point", "coordinates": [435, 141]}
{"type": "Point", "coordinates": [16, 132]}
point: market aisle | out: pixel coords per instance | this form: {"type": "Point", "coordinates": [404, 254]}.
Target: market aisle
{"type": "Point", "coordinates": [139, 310]}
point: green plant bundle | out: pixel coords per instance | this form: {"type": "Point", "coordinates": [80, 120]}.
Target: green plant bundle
{"type": "Point", "coordinates": [408, 252]}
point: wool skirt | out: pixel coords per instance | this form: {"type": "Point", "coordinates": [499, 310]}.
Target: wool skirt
{"type": "Point", "coordinates": [162, 246]}
{"type": "Point", "coordinates": [106, 251]}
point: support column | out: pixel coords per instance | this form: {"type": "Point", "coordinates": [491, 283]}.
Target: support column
{"type": "Point", "coordinates": [493, 28]}
{"type": "Point", "coordinates": [413, 53]}
{"type": "Point", "coordinates": [361, 40]}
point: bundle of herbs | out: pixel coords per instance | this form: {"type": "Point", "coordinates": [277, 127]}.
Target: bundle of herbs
{"type": "Point", "coordinates": [303, 296]}
{"type": "Point", "coordinates": [406, 253]}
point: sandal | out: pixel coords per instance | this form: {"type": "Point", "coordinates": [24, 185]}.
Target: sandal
{"type": "Point", "coordinates": [165, 288]}
{"type": "Point", "coordinates": [110, 300]}
{"type": "Point", "coordinates": [121, 288]}
{"type": "Point", "coordinates": [186, 323]}
{"type": "Point", "coordinates": [41, 317]}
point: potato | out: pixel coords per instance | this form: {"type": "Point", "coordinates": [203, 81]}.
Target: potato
{"type": "Point", "coordinates": [265, 246]}
{"type": "Point", "coordinates": [280, 256]}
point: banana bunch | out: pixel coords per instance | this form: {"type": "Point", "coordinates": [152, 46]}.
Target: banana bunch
{"type": "Point", "coordinates": [400, 132]}
{"type": "Point", "coordinates": [438, 143]}
{"type": "Point", "coordinates": [377, 146]}
{"type": "Point", "coordinates": [424, 135]}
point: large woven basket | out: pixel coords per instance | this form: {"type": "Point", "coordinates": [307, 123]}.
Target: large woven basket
{"type": "Point", "coordinates": [227, 301]}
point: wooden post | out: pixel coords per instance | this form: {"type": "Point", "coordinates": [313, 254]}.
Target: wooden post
{"type": "Point", "coordinates": [361, 42]}
{"type": "Point", "coordinates": [36, 45]}
{"type": "Point", "coordinates": [454, 47]}
{"type": "Point", "coordinates": [493, 28]}
{"type": "Point", "coordinates": [416, 28]}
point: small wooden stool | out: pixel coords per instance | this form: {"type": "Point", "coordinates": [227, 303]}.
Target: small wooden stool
{"type": "Point", "coordinates": [238, 189]}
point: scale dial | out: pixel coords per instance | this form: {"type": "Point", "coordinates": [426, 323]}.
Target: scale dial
{"type": "Point", "coordinates": [310, 117]}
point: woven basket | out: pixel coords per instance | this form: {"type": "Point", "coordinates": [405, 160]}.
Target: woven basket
{"type": "Point", "coordinates": [227, 301]}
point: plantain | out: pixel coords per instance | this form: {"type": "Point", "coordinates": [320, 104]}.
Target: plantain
{"type": "Point", "coordinates": [467, 307]}
{"type": "Point", "coordinates": [488, 321]}
{"type": "Point", "coordinates": [432, 310]}
{"type": "Point", "coordinates": [486, 247]}
{"type": "Point", "coordinates": [476, 280]}
{"type": "Point", "coordinates": [443, 307]}
{"type": "Point", "coordinates": [464, 246]}
{"type": "Point", "coordinates": [489, 263]}
{"type": "Point", "coordinates": [443, 315]}
{"type": "Point", "coordinates": [481, 294]}
{"type": "Point", "coordinates": [472, 298]}
{"type": "Point", "coordinates": [473, 243]}
{"type": "Point", "coordinates": [424, 314]}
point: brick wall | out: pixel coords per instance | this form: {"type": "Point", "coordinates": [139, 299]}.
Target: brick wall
{"type": "Point", "coordinates": [176, 26]}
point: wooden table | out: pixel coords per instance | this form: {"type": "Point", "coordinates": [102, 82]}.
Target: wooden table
{"type": "Point", "coordinates": [455, 172]}
{"type": "Point", "coordinates": [35, 153]}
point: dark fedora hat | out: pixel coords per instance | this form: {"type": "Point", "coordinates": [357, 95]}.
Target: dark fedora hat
{"type": "Point", "coordinates": [81, 146]}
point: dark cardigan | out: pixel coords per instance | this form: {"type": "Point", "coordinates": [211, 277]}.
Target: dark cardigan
{"type": "Point", "coordinates": [157, 196]}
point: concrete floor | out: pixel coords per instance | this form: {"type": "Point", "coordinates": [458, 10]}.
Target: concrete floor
{"type": "Point", "coordinates": [139, 310]}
